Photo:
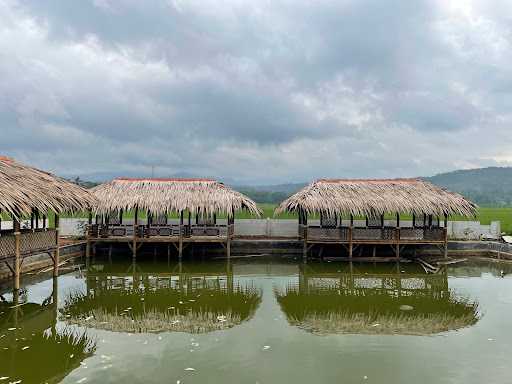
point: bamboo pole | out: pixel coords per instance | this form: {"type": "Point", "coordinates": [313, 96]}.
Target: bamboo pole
{"type": "Point", "coordinates": [56, 256]}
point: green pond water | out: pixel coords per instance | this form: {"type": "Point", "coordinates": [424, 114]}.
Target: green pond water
{"type": "Point", "coordinates": [256, 321]}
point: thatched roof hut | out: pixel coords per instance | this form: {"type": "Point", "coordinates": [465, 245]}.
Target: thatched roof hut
{"type": "Point", "coordinates": [377, 197]}
{"type": "Point", "coordinates": [163, 196]}
{"type": "Point", "coordinates": [23, 189]}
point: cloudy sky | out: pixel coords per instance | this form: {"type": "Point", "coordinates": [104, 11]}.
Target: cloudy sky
{"type": "Point", "coordinates": [256, 91]}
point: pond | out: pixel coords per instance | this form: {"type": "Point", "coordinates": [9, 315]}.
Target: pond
{"type": "Point", "coordinates": [260, 321]}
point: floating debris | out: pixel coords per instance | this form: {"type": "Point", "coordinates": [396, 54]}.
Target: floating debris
{"type": "Point", "coordinates": [490, 339]}
{"type": "Point", "coordinates": [266, 347]}
{"type": "Point", "coordinates": [190, 369]}
{"type": "Point", "coordinates": [221, 318]}
{"type": "Point", "coordinates": [25, 347]}
{"type": "Point", "coordinates": [365, 377]}
{"type": "Point", "coordinates": [375, 325]}
{"type": "Point", "coordinates": [11, 329]}
{"type": "Point", "coordinates": [406, 308]}
{"type": "Point", "coordinates": [4, 378]}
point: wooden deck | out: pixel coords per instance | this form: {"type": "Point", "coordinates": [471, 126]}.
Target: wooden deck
{"type": "Point", "coordinates": [351, 237]}
{"type": "Point", "coordinates": [174, 234]}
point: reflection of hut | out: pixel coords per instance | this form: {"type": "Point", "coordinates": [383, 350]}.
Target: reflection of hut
{"type": "Point", "coordinates": [375, 303]}
{"type": "Point", "coordinates": [33, 350]}
{"type": "Point", "coordinates": [201, 199]}
{"type": "Point", "coordinates": [31, 194]}
{"type": "Point", "coordinates": [135, 301]}
{"type": "Point", "coordinates": [339, 201]}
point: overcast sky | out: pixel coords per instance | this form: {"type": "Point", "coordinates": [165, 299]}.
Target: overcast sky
{"type": "Point", "coordinates": [256, 91]}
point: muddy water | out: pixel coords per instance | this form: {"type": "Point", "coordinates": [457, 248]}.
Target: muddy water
{"type": "Point", "coordinates": [260, 322]}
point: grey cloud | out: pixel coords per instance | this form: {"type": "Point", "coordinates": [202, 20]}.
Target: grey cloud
{"type": "Point", "coordinates": [290, 90]}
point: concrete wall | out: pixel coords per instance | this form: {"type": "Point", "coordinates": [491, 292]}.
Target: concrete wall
{"type": "Point", "coordinates": [463, 230]}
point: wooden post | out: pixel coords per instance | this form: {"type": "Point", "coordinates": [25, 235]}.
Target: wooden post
{"type": "Point", "coordinates": [180, 246]}
{"type": "Point", "coordinates": [228, 240]}
{"type": "Point", "coordinates": [350, 244]}
{"type": "Point", "coordinates": [445, 236]}
{"type": "Point", "coordinates": [17, 253]}
{"type": "Point", "coordinates": [135, 229]}
{"type": "Point", "coordinates": [305, 248]}
{"type": "Point", "coordinates": [397, 234]}
{"type": "Point", "coordinates": [56, 255]}
{"type": "Point", "coordinates": [87, 238]}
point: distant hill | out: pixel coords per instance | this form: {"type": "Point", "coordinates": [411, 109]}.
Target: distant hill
{"type": "Point", "coordinates": [485, 186]}
{"type": "Point", "coordinates": [270, 194]}
{"type": "Point", "coordinates": [490, 187]}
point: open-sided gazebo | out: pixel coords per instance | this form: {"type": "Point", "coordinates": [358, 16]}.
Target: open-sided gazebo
{"type": "Point", "coordinates": [200, 200]}
{"type": "Point", "coordinates": [339, 201]}
{"type": "Point", "coordinates": [28, 196]}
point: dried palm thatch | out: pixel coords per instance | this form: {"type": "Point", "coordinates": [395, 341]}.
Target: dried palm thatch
{"type": "Point", "coordinates": [163, 196]}
{"type": "Point", "coordinates": [23, 188]}
{"type": "Point", "coordinates": [376, 197]}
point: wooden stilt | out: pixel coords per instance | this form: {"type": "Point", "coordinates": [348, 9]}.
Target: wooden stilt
{"type": "Point", "coordinates": [180, 246]}
{"type": "Point", "coordinates": [135, 230]}
{"type": "Point", "coordinates": [17, 254]}
{"type": "Point", "coordinates": [305, 236]}
{"type": "Point", "coordinates": [88, 240]}
{"type": "Point", "coordinates": [56, 255]}
{"type": "Point", "coordinates": [397, 236]}
{"type": "Point", "coordinates": [350, 233]}
{"type": "Point", "coordinates": [445, 236]}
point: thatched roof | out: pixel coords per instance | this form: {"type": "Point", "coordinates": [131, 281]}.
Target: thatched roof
{"type": "Point", "coordinates": [161, 196]}
{"type": "Point", "coordinates": [23, 188]}
{"type": "Point", "coordinates": [376, 197]}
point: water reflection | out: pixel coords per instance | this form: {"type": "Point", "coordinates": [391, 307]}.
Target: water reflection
{"type": "Point", "coordinates": [374, 300]}
{"type": "Point", "coordinates": [32, 348]}
{"type": "Point", "coordinates": [194, 298]}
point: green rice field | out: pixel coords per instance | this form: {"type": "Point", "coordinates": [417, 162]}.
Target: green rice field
{"type": "Point", "coordinates": [485, 216]}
